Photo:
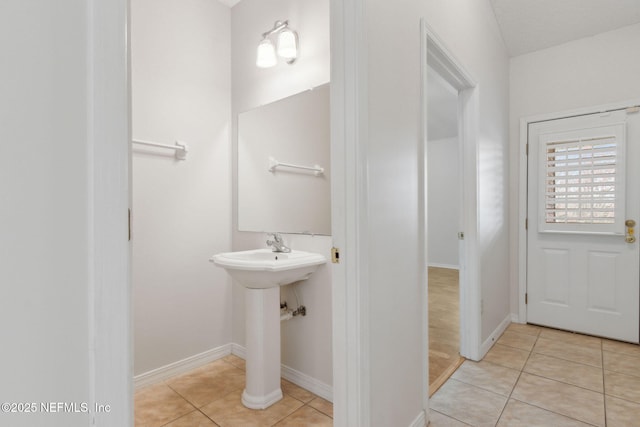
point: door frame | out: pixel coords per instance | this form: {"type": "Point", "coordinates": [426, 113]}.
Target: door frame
{"type": "Point", "coordinates": [523, 181]}
{"type": "Point", "coordinates": [110, 352]}
{"type": "Point", "coordinates": [440, 58]}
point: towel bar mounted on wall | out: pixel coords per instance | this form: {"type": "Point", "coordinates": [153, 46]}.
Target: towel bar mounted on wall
{"type": "Point", "coordinates": [273, 164]}
{"type": "Point", "coordinates": [180, 148]}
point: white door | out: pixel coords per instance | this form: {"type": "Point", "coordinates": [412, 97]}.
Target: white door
{"type": "Point", "coordinates": [582, 259]}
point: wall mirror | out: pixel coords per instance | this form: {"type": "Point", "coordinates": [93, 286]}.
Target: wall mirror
{"type": "Point", "coordinates": [283, 165]}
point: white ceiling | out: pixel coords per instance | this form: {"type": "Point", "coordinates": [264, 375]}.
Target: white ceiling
{"type": "Point", "coordinates": [530, 25]}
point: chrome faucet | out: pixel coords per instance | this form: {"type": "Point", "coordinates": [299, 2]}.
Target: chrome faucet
{"type": "Point", "coordinates": [277, 243]}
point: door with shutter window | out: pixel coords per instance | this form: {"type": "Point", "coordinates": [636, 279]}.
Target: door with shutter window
{"type": "Point", "coordinates": [583, 260]}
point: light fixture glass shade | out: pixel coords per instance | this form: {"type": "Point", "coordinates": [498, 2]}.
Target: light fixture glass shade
{"type": "Point", "coordinates": [266, 56]}
{"type": "Point", "coordinates": [288, 44]}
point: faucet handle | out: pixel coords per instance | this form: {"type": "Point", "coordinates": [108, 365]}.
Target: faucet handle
{"type": "Point", "coordinates": [276, 236]}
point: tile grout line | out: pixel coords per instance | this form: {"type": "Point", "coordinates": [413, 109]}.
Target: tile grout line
{"type": "Point", "coordinates": [195, 408]}
{"type": "Point", "coordinates": [553, 412]}
{"type": "Point", "coordinates": [601, 367]}
{"type": "Point", "coordinates": [530, 355]}
{"type": "Point", "coordinates": [563, 382]}
{"type": "Point", "coordinates": [166, 382]}
{"type": "Point", "coordinates": [452, 417]}
{"type": "Point", "coordinates": [518, 379]}
{"type": "Point", "coordinates": [531, 352]}
{"type": "Point", "coordinates": [208, 417]}
{"type": "Point", "coordinates": [556, 380]}
{"type": "Point", "coordinates": [316, 409]}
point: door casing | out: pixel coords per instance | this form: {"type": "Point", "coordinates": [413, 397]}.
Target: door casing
{"type": "Point", "coordinates": [444, 62]}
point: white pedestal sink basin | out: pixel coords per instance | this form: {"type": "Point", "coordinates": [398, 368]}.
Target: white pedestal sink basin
{"type": "Point", "coordinates": [263, 268]}
{"type": "Point", "coordinates": [261, 272]}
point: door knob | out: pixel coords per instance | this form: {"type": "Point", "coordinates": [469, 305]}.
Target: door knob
{"type": "Point", "coordinates": [630, 236]}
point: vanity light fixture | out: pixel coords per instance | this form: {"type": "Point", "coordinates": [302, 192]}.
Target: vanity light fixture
{"type": "Point", "coordinates": [287, 46]}
{"type": "Point", "coordinates": [266, 54]}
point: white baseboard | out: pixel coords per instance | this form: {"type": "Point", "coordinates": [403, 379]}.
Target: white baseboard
{"type": "Point", "coordinates": [157, 375]}
{"type": "Point", "coordinates": [420, 421]}
{"type": "Point", "coordinates": [438, 265]}
{"type": "Point", "coordinates": [238, 350]}
{"type": "Point", "coordinates": [489, 342]}
{"type": "Point", "coordinates": [181, 366]}
{"type": "Point", "coordinates": [314, 385]}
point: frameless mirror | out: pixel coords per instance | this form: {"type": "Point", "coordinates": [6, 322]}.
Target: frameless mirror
{"type": "Point", "coordinates": [283, 165]}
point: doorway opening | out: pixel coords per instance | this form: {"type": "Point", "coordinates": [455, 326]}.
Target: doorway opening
{"type": "Point", "coordinates": [443, 226]}
{"type": "Point", "coordinates": [452, 222]}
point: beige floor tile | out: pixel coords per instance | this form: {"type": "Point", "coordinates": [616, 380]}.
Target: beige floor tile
{"type": "Point", "coordinates": [621, 363]}
{"type": "Point", "coordinates": [621, 347]}
{"type": "Point", "coordinates": [516, 340]}
{"type": "Point", "coordinates": [436, 419]}
{"type": "Point", "coordinates": [521, 328]}
{"type": "Point", "coordinates": [236, 361]}
{"type": "Point", "coordinates": [322, 405]}
{"type": "Point", "coordinates": [571, 401]}
{"type": "Point", "coordinates": [193, 419]}
{"type": "Point", "coordinates": [507, 356]}
{"type": "Point", "coordinates": [296, 392]}
{"type": "Point", "coordinates": [157, 405]}
{"type": "Point", "coordinates": [623, 386]}
{"type": "Point", "coordinates": [579, 374]}
{"type": "Point", "coordinates": [211, 368]}
{"type": "Point", "coordinates": [307, 417]}
{"type": "Point", "coordinates": [622, 413]}
{"type": "Point", "coordinates": [488, 376]}
{"type": "Point", "coordinates": [571, 352]}
{"type": "Point", "coordinates": [520, 414]}
{"type": "Point", "coordinates": [229, 411]}
{"type": "Point", "coordinates": [467, 403]}
{"type": "Point", "coordinates": [202, 388]}
{"type": "Point", "coordinates": [572, 338]}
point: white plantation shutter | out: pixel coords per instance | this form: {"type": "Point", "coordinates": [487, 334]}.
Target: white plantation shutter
{"type": "Point", "coordinates": [584, 181]}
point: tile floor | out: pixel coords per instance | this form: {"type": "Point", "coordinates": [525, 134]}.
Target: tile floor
{"type": "Point", "coordinates": [210, 396]}
{"type": "Point", "coordinates": [531, 377]}
{"type": "Point", "coordinates": [543, 377]}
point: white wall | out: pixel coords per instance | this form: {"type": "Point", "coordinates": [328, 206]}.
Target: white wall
{"type": "Point", "coordinates": [443, 203]}
{"type": "Point", "coordinates": [306, 341]}
{"type": "Point", "coordinates": [470, 32]}
{"type": "Point", "coordinates": [583, 73]}
{"type": "Point", "coordinates": [45, 216]}
{"type": "Point", "coordinates": [181, 209]}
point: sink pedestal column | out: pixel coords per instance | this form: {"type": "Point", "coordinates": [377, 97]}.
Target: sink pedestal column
{"type": "Point", "coordinates": [262, 315]}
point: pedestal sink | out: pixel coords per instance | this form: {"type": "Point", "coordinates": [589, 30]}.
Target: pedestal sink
{"type": "Point", "coordinates": [261, 272]}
